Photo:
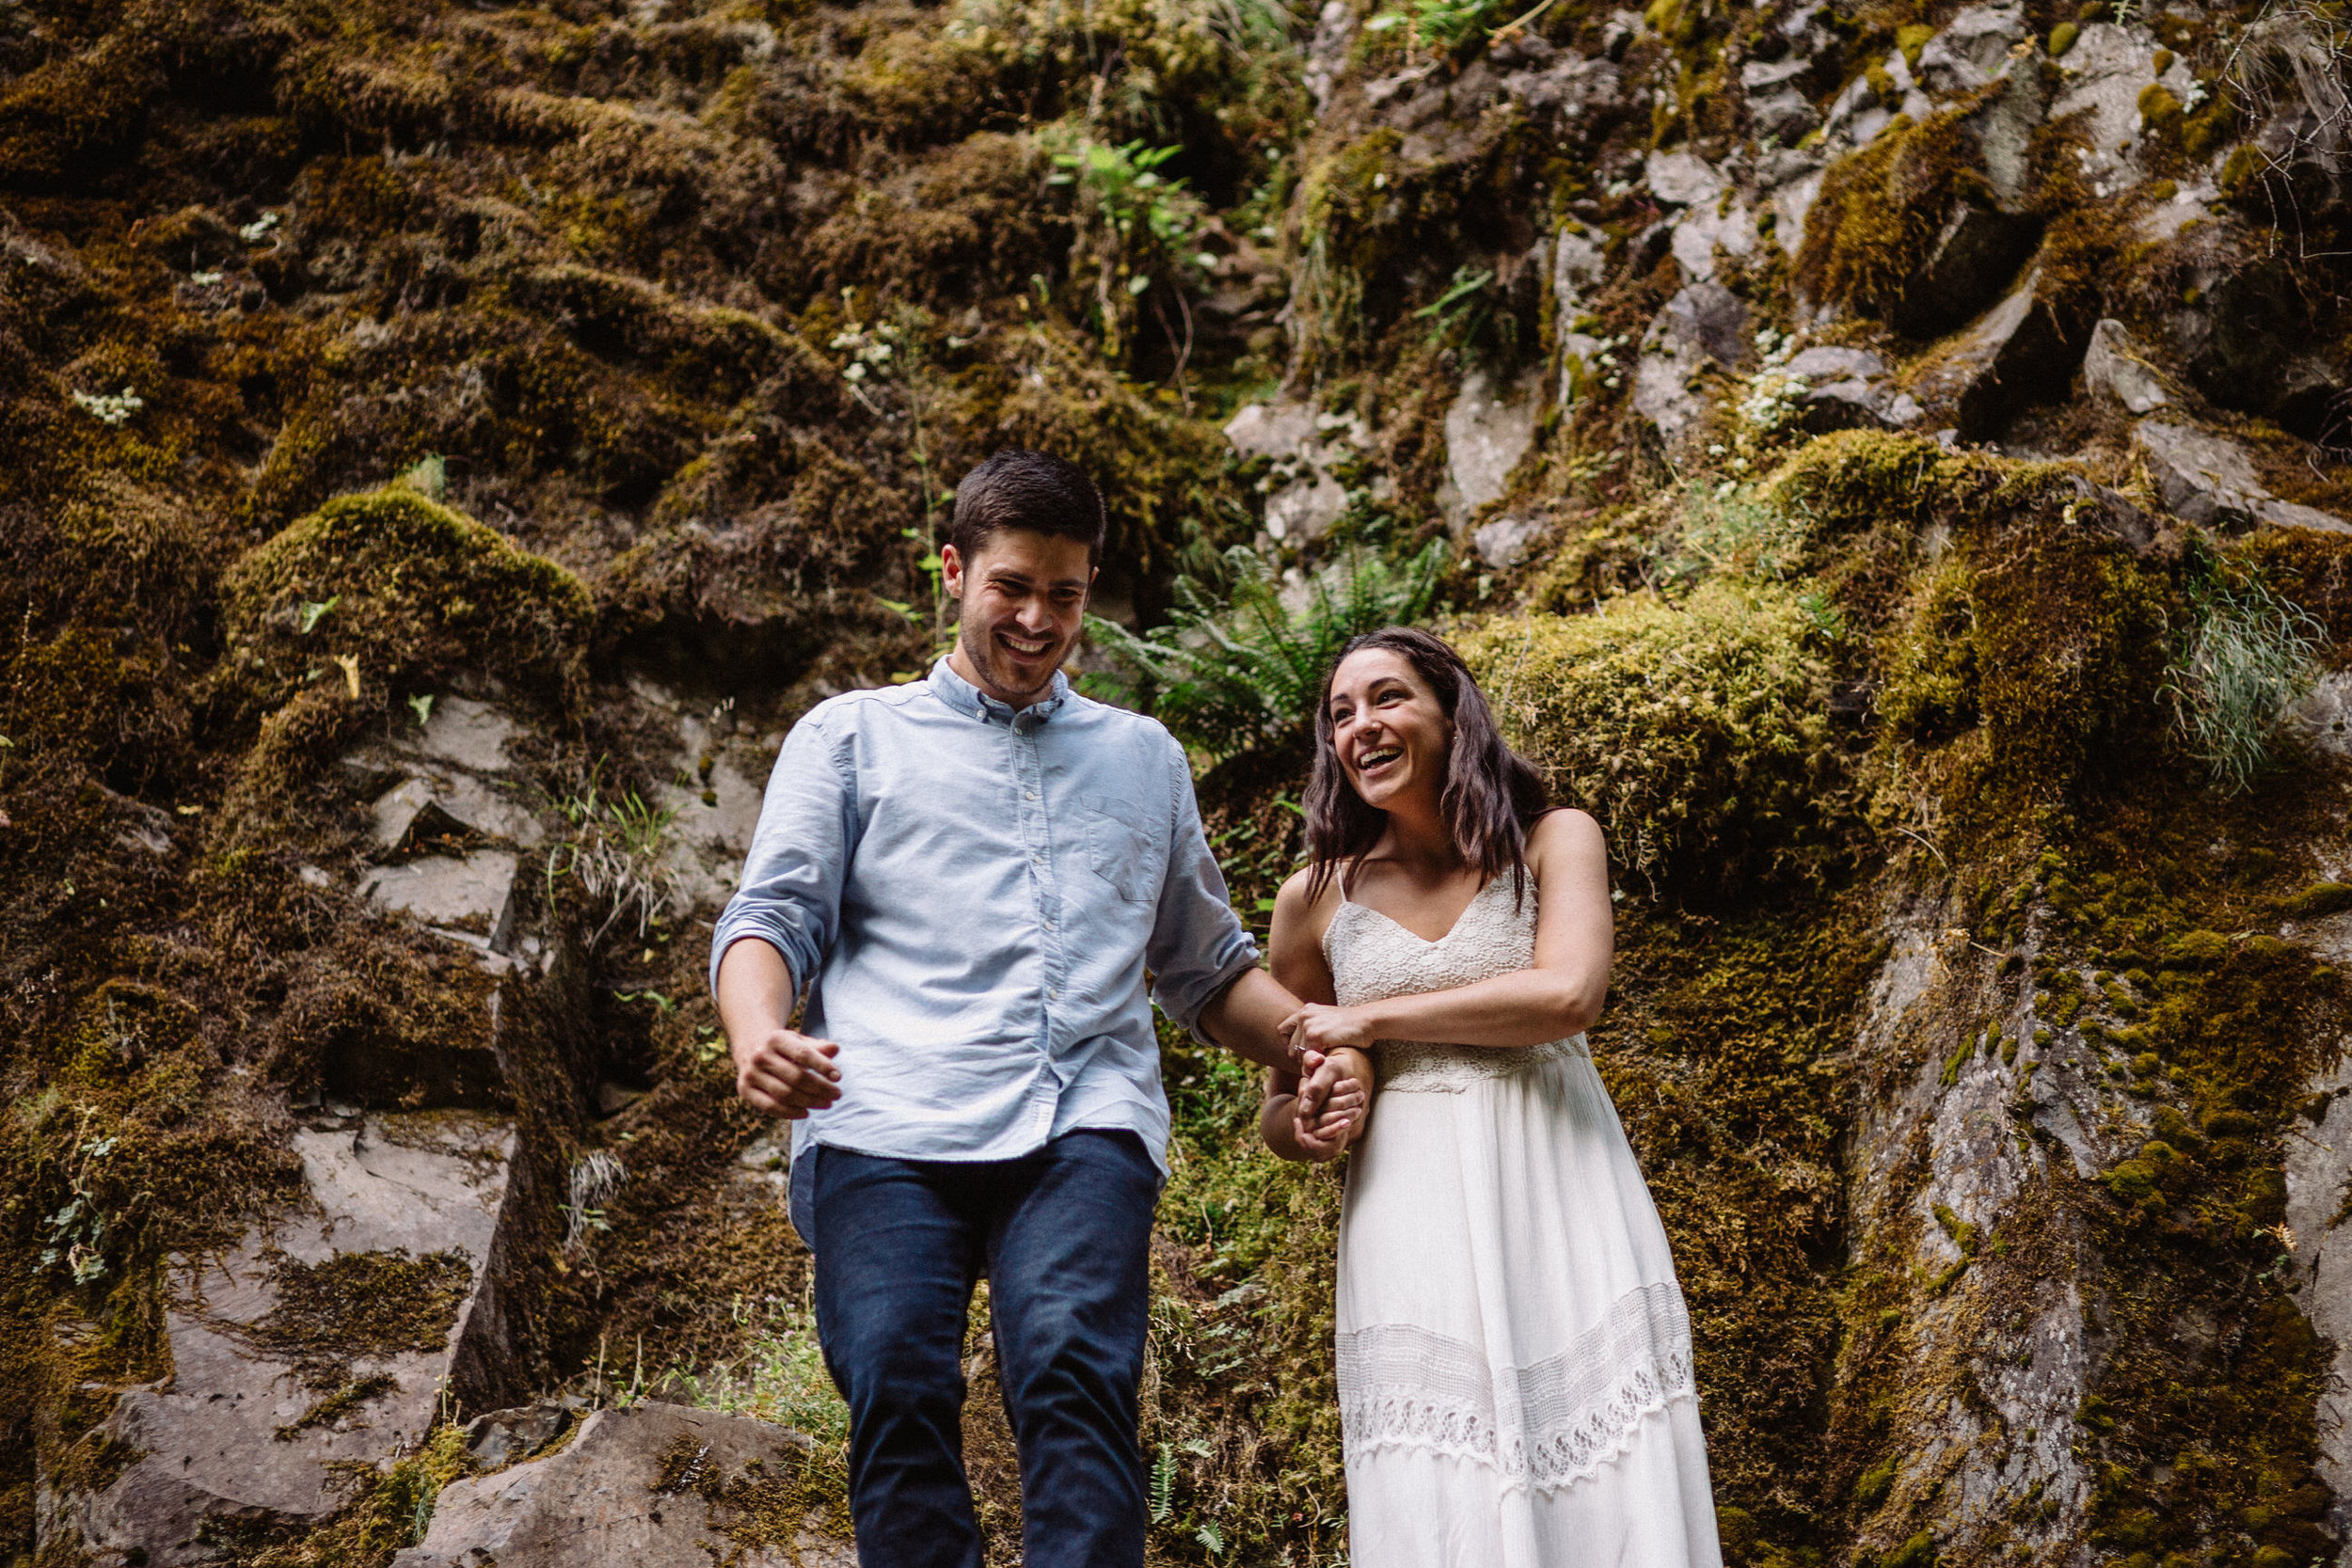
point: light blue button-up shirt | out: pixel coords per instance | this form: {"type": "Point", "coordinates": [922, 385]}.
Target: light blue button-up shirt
{"type": "Point", "coordinates": [976, 893]}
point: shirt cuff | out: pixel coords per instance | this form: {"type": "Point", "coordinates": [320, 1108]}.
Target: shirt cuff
{"type": "Point", "coordinates": [1219, 981]}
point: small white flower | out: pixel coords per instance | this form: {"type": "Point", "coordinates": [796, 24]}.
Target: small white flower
{"type": "Point", "coordinates": [110, 408]}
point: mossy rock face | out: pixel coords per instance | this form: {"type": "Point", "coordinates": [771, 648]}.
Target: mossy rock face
{"type": "Point", "coordinates": [1876, 225]}
{"type": "Point", "coordinates": [1694, 732]}
{"type": "Point", "coordinates": [410, 590]}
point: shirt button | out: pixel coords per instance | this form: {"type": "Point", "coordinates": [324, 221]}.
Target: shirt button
{"type": "Point", "coordinates": [1039, 858]}
{"type": "Point", "coordinates": [1029, 795]}
{"type": "Point", "coordinates": [1054, 995]}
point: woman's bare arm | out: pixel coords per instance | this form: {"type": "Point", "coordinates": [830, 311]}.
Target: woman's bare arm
{"type": "Point", "coordinates": [1558, 996]}
{"type": "Point", "coordinates": [1296, 958]}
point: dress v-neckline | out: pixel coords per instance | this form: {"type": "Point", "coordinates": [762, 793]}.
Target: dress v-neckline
{"type": "Point", "coordinates": [1425, 941]}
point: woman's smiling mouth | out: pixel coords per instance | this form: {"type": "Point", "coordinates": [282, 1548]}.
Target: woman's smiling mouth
{"type": "Point", "coordinates": [1377, 757]}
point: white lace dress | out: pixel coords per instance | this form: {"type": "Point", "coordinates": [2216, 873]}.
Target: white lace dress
{"type": "Point", "coordinates": [1514, 1355]}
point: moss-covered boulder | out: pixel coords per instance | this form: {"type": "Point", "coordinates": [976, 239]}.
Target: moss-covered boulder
{"type": "Point", "coordinates": [1696, 732]}
{"type": "Point", "coordinates": [390, 589]}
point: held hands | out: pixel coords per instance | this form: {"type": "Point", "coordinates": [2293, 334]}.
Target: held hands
{"type": "Point", "coordinates": [1329, 1106]}
{"type": "Point", "coordinates": [787, 1074]}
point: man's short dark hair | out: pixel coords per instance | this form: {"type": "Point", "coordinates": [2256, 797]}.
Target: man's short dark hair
{"type": "Point", "coordinates": [1033, 490]}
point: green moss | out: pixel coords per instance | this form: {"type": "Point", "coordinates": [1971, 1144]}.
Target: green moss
{"type": "Point", "coordinates": [389, 1509]}
{"type": "Point", "coordinates": [2161, 110]}
{"type": "Point", "coordinates": [1693, 731]}
{"type": "Point", "coordinates": [332, 1407]}
{"type": "Point", "coordinates": [2318, 900]}
{"type": "Point", "coordinates": [2062, 37]}
{"type": "Point", "coordinates": [758, 1510]}
{"type": "Point", "coordinates": [1879, 210]}
{"type": "Point", "coordinates": [407, 590]}
{"type": "Point", "coordinates": [359, 1306]}
{"type": "Point", "coordinates": [2196, 950]}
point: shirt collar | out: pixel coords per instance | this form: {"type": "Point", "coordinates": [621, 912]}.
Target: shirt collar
{"type": "Point", "coordinates": [965, 697]}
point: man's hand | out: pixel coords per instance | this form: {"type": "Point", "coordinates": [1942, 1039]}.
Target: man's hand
{"type": "Point", "coordinates": [1329, 1109]}
{"type": "Point", "coordinates": [787, 1074]}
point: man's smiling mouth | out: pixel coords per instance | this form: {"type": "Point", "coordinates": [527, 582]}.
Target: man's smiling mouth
{"type": "Point", "coordinates": [1029, 648]}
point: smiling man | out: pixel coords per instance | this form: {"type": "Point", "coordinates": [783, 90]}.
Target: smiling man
{"type": "Point", "coordinates": [971, 874]}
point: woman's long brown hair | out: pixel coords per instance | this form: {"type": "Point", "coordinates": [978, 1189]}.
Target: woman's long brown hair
{"type": "Point", "coordinates": [1492, 795]}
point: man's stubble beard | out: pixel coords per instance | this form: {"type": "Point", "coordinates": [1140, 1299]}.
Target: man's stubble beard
{"type": "Point", "coordinates": [980, 648]}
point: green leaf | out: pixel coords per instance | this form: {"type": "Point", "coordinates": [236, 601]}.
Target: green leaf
{"type": "Point", "coordinates": [313, 612]}
{"type": "Point", "coordinates": [422, 706]}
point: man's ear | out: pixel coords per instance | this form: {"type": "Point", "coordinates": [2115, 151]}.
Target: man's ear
{"type": "Point", "coordinates": [951, 571]}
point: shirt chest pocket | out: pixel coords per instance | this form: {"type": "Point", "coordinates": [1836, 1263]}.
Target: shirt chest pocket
{"type": "Point", "coordinates": [1118, 849]}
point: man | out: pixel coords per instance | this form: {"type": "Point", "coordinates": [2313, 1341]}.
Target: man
{"type": "Point", "coordinates": [972, 873]}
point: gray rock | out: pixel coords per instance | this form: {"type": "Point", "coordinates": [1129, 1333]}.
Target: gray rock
{"type": "Point", "coordinates": [462, 731]}
{"type": "Point", "coordinates": [428, 806]}
{"type": "Point", "coordinates": [620, 1493]}
{"type": "Point", "coordinates": [2113, 368]}
{"type": "Point", "coordinates": [2319, 1158]}
{"type": "Point", "coordinates": [1303, 498]}
{"type": "Point", "coordinates": [710, 787]}
{"type": "Point", "coordinates": [1972, 49]}
{"type": "Point", "coordinates": [1683, 178]}
{"type": "Point", "coordinates": [2018, 354]}
{"type": "Point", "coordinates": [1501, 543]}
{"type": "Point", "coordinates": [1845, 389]}
{"type": "Point", "coordinates": [1577, 265]}
{"type": "Point", "coordinates": [1975, 256]}
{"type": "Point", "coordinates": [1934, 1138]}
{"type": "Point", "coordinates": [271, 1387]}
{"type": "Point", "coordinates": [1705, 326]}
{"type": "Point", "coordinates": [499, 1437]}
{"type": "Point", "coordinates": [2324, 717]}
{"type": "Point", "coordinates": [2243, 331]}
{"type": "Point", "coordinates": [1702, 228]}
{"type": "Point", "coordinates": [470, 895]}
{"type": "Point", "coordinates": [2102, 78]}
{"type": "Point", "coordinates": [1326, 53]}
{"type": "Point", "coordinates": [1858, 116]}
{"type": "Point", "coordinates": [1569, 86]}
{"type": "Point", "coordinates": [2209, 479]}
{"type": "Point", "coordinates": [2004, 129]}
{"type": "Point", "coordinates": [1488, 430]}
{"type": "Point", "coordinates": [1778, 105]}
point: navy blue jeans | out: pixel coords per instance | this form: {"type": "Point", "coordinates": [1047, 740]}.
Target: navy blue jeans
{"type": "Point", "coordinates": [1063, 1236]}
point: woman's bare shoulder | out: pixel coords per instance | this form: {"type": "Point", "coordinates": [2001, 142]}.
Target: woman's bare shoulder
{"type": "Point", "coordinates": [1300, 899]}
{"type": "Point", "coordinates": [1565, 829]}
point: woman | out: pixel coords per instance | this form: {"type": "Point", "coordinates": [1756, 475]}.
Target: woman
{"type": "Point", "coordinates": [1514, 1357]}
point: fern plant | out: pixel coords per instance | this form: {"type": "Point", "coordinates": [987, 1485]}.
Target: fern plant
{"type": "Point", "coordinates": [1245, 670]}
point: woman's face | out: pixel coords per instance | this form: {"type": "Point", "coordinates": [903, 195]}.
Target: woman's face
{"type": "Point", "coordinates": [1387, 728]}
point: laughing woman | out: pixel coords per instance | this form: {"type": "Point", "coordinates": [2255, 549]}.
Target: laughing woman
{"type": "Point", "coordinates": [1514, 1355]}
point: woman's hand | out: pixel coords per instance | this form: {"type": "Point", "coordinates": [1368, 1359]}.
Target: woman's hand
{"type": "Point", "coordinates": [1324, 1029]}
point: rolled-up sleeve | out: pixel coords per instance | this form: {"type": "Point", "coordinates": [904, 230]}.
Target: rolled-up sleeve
{"type": "Point", "coordinates": [1199, 947]}
{"type": "Point", "coordinates": [791, 896]}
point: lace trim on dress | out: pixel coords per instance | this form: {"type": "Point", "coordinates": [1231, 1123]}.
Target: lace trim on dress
{"type": "Point", "coordinates": [1546, 1425]}
{"type": "Point", "coordinates": [1418, 1066]}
